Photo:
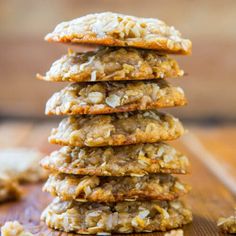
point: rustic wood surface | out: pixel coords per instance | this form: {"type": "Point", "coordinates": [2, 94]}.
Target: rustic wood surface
{"type": "Point", "coordinates": [210, 150]}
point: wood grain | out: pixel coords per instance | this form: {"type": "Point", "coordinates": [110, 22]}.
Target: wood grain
{"type": "Point", "coordinates": [221, 144]}
{"type": "Point", "coordinates": [209, 198]}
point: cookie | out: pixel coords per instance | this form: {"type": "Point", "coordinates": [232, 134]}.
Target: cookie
{"type": "Point", "coordinates": [111, 64]}
{"type": "Point", "coordinates": [133, 160]}
{"type": "Point", "coordinates": [227, 225]}
{"type": "Point", "coordinates": [113, 97]}
{"type": "Point", "coordinates": [122, 217]}
{"type": "Point", "coordinates": [9, 189]}
{"type": "Point", "coordinates": [14, 228]}
{"type": "Point", "coordinates": [115, 189]}
{"type": "Point", "coordinates": [22, 164]}
{"type": "Point", "coordinates": [116, 129]}
{"type": "Point", "coordinates": [112, 29]}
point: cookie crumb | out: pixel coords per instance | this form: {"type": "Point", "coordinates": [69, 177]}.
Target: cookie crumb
{"type": "Point", "coordinates": [178, 232]}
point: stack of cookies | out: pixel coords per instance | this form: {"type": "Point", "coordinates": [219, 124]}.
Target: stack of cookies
{"type": "Point", "coordinates": [113, 173]}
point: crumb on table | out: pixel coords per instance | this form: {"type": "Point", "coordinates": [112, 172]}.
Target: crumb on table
{"type": "Point", "coordinates": [178, 232]}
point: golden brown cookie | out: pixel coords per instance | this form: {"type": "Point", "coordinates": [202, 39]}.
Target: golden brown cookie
{"type": "Point", "coordinates": [112, 97]}
{"type": "Point", "coordinates": [22, 164]}
{"type": "Point", "coordinates": [14, 228]}
{"type": "Point", "coordinates": [9, 188]}
{"type": "Point", "coordinates": [115, 189]}
{"type": "Point", "coordinates": [112, 29]}
{"type": "Point", "coordinates": [123, 217]}
{"type": "Point", "coordinates": [110, 64]}
{"type": "Point", "coordinates": [227, 225]}
{"type": "Point", "coordinates": [116, 129]}
{"type": "Point", "coordinates": [132, 160]}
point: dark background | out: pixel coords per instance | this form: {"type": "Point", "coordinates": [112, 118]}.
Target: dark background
{"type": "Point", "coordinates": [210, 84]}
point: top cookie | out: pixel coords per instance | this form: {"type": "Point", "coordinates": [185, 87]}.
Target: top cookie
{"type": "Point", "coordinates": [112, 29]}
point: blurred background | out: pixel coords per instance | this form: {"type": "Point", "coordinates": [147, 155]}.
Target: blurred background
{"type": "Point", "coordinates": [210, 83]}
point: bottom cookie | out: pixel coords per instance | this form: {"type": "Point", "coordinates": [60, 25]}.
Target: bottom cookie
{"type": "Point", "coordinates": [122, 217]}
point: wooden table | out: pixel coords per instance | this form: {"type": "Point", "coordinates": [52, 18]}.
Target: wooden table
{"type": "Point", "coordinates": [210, 150]}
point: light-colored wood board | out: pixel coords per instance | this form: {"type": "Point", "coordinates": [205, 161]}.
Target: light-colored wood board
{"type": "Point", "coordinates": [14, 134]}
{"type": "Point", "coordinates": [221, 143]}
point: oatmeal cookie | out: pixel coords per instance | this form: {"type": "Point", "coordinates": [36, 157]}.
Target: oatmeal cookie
{"type": "Point", "coordinates": [14, 228]}
{"type": "Point", "coordinates": [9, 188]}
{"type": "Point", "coordinates": [227, 225]}
{"type": "Point", "coordinates": [117, 129]}
{"type": "Point", "coordinates": [110, 64]}
{"type": "Point", "coordinates": [132, 160]}
{"type": "Point", "coordinates": [113, 97]}
{"type": "Point", "coordinates": [115, 189]}
{"type": "Point", "coordinates": [22, 164]}
{"type": "Point", "coordinates": [122, 217]}
{"type": "Point", "coordinates": [178, 232]}
{"type": "Point", "coordinates": [112, 29]}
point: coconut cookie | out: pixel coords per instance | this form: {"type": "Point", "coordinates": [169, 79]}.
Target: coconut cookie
{"type": "Point", "coordinates": [9, 189]}
{"type": "Point", "coordinates": [117, 129]}
{"type": "Point", "coordinates": [112, 29]}
{"type": "Point", "coordinates": [112, 97]}
{"type": "Point", "coordinates": [122, 217]}
{"type": "Point", "coordinates": [14, 228]}
{"type": "Point", "coordinates": [109, 64]}
{"type": "Point", "coordinates": [114, 189]}
{"type": "Point", "coordinates": [133, 160]}
{"type": "Point", "coordinates": [227, 225]}
{"type": "Point", "coordinates": [22, 164]}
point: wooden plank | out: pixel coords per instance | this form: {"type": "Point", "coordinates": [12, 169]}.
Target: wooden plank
{"type": "Point", "coordinates": [14, 134]}
{"type": "Point", "coordinates": [38, 137]}
{"type": "Point", "coordinates": [209, 199]}
{"type": "Point", "coordinates": [26, 134]}
{"type": "Point", "coordinates": [221, 144]}
{"type": "Point", "coordinates": [211, 162]}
